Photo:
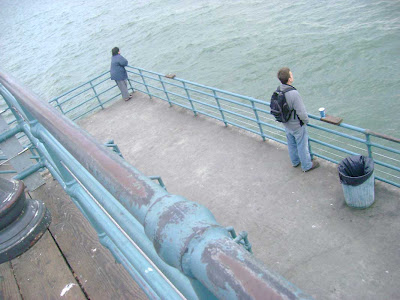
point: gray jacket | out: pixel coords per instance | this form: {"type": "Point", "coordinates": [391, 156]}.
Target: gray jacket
{"type": "Point", "coordinates": [118, 64]}
{"type": "Point", "coordinates": [295, 102]}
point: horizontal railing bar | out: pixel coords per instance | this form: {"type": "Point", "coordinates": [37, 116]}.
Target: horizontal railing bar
{"type": "Point", "coordinates": [388, 181]}
{"type": "Point", "coordinates": [332, 147]}
{"type": "Point", "coordinates": [242, 127]}
{"type": "Point", "coordinates": [326, 158]}
{"type": "Point", "coordinates": [266, 112]}
{"type": "Point", "coordinates": [385, 148]}
{"type": "Point", "coordinates": [80, 104]}
{"type": "Point", "coordinates": [76, 95]}
{"type": "Point", "coordinates": [142, 91]}
{"type": "Point", "coordinates": [386, 173]}
{"type": "Point", "coordinates": [164, 99]}
{"type": "Point", "coordinates": [154, 87]}
{"type": "Point", "coordinates": [88, 89]}
{"type": "Point", "coordinates": [216, 108]}
{"type": "Point", "coordinates": [8, 172]}
{"type": "Point", "coordinates": [85, 113]}
{"type": "Point", "coordinates": [337, 133]}
{"type": "Point", "coordinates": [338, 155]}
{"type": "Point", "coordinates": [100, 82]}
{"type": "Point", "coordinates": [74, 89]}
{"type": "Point", "coordinates": [386, 157]}
{"type": "Point", "coordinates": [210, 115]}
{"type": "Point", "coordinates": [238, 115]}
{"type": "Point", "coordinates": [178, 104]}
{"type": "Point", "coordinates": [382, 136]}
{"type": "Point", "coordinates": [146, 76]}
{"type": "Point", "coordinates": [107, 90]}
{"type": "Point", "coordinates": [178, 95]}
{"type": "Point", "coordinates": [386, 165]}
{"type": "Point", "coordinates": [272, 126]}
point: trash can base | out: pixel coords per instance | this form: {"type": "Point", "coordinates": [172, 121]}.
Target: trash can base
{"type": "Point", "coordinates": [361, 196]}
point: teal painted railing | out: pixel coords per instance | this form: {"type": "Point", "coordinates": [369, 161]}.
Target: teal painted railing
{"type": "Point", "coordinates": [172, 247]}
{"type": "Point", "coordinates": [329, 142]}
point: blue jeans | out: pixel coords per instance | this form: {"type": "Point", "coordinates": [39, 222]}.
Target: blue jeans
{"type": "Point", "coordinates": [298, 147]}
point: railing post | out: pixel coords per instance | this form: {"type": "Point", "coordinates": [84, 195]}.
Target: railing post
{"type": "Point", "coordinates": [97, 96]}
{"type": "Point", "coordinates": [219, 107]}
{"type": "Point", "coordinates": [115, 147]}
{"type": "Point", "coordinates": [59, 106]}
{"type": "Point", "coordinates": [309, 148]}
{"type": "Point", "coordinates": [165, 91]}
{"type": "Point", "coordinates": [368, 143]}
{"type": "Point", "coordinates": [258, 120]}
{"type": "Point", "coordinates": [190, 99]}
{"type": "Point", "coordinates": [130, 84]}
{"type": "Point", "coordinates": [144, 82]}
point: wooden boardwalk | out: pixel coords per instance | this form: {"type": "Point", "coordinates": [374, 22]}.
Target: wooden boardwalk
{"type": "Point", "coordinates": [68, 262]}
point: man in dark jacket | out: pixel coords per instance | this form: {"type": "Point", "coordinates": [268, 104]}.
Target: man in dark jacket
{"type": "Point", "coordinates": [118, 72]}
{"type": "Point", "coordinates": [295, 128]}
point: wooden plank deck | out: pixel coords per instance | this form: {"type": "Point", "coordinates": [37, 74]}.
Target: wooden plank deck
{"type": "Point", "coordinates": [68, 262]}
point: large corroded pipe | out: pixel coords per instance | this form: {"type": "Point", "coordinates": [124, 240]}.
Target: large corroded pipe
{"type": "Point", "coordinates": [184, 233]}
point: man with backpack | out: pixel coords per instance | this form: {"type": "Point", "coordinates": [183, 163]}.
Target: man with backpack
{"type": "Point", "coordinates": [288, 108]}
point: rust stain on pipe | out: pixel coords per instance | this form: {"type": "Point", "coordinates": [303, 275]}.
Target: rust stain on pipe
{"type": "Point", "coordinates": [239, 271]}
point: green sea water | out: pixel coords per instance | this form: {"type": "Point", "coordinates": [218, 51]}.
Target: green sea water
{"type": "Point", "coordinates": [344, 54]}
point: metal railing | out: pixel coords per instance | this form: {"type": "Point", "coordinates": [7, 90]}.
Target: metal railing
{"type": "Point", "coordinates": [172, 247]}
{"type": "Point", "coordinates": [327, 141]}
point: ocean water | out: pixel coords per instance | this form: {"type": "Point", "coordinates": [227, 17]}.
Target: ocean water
{"type": "Point", "coordinates": [344, 54]}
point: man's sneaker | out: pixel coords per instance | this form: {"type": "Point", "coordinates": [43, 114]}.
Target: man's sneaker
{"type": "Point", "coordinates": [315, 165]}
{"type": "Point", "coordinates": [296, 165]}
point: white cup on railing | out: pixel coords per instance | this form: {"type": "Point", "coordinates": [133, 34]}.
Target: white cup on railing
{"type": "Point", "coordinates": [322, 112]}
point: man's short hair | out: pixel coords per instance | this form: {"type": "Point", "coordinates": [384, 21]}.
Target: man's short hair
{"type": "Point", "coordinates": [115, 51]}
{"type": "Point", "coordinates": [284, 75]}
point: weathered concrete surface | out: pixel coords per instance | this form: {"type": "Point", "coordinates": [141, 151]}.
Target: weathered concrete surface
{"type": "Point", "coordinates": [298, 222]}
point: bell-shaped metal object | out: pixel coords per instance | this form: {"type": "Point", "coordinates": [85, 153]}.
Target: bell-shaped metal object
{"type": "Point", "coordinates": [22, 221]}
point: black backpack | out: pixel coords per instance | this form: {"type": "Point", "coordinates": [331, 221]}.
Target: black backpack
{"type": "Point", "coordinates": [279, 107]}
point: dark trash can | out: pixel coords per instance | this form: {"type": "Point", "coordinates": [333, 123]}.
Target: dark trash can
{"type": "Point", "coordinates": [356, 174]}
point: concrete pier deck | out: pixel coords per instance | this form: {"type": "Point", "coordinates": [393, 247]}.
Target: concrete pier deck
{"type": "Point", "coordinates": [298, 223]}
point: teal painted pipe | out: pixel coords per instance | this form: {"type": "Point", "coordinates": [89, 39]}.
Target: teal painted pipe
{"type": "Point", "coordinates": [9, 133]}
{"type": "Point", "coordinates": [165, 91]}
{"type": "Point", "coordinates": [29, 171]}
{"type": "Point", "coordinates": [189, 99]}
{"type": "Point", "coordinates": [76, 88]}
{"type": "Point", "coordinates": [96, 95]}
{"type": "Point", "coordinates": [144, 83]}
{"type": "Point", "coordinates": [219, 108]}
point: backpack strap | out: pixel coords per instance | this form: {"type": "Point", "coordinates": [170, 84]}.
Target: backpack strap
{"type": "Point", "coordinates": [288, 89]}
